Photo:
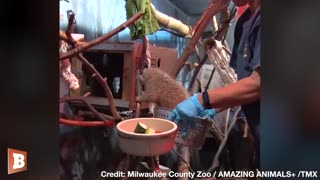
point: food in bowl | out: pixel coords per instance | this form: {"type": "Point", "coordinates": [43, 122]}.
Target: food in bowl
{"type": "Point", "coordinates": [143, 129]}
{"type": "Point", "coordinates": [146, 145]}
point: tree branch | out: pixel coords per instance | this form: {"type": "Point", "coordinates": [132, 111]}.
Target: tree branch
{"type": "Point", "coordinates": [69, 29]}
{"type": "Point", "coordinates": [221, 33]}
{"type": "Point", "coordinates": [107, 123]}
{"type": "Point", "coordinates": [95, 73]}
{"type": "Point", "coordinates": [63, 35]}
{"type": "Point", "coordinates": [89, 113]}
{"type": "Point", "coordinates": [224, 26]}
{"type": "Point", "coordinates": [214, 7]}
{"type": "Point", "coordinates": [81, 99]}
{"type": "Point", "coordinates": [102, 38]}
{"type": "Point", "coordinates": [103, 82]}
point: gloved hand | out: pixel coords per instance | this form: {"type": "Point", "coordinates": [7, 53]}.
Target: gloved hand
{"type": "Point", "coordinates": [188, 111]}
{"type": "Point", "coordinates": [209, 114]}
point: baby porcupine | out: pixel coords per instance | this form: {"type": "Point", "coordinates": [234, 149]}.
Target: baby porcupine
{"type": "Point", "coordinates": [161, 89]}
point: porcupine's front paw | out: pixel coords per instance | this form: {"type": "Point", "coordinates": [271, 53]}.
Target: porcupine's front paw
{"type": "Point", "coordinates": [151, 109]}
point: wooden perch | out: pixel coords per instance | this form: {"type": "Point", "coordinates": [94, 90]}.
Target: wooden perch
{"type": "Point", "coordinates": [106, 123]}
{"type": "Point", "coordinates": [63, 35]}
{"type": "Point", "coordinates": [214, 7]}
{"type": "Point", "coordinates": [144, 61]}
{"type": "Point", "coordinates": [171, 23]}
{"type": "Point", "coordinates": [91, 108]}
{"type": "Point", "coordinates": [224, 26]}
{"type": "Point", "coordinates": [94, 42]}
{"type": "Point", "coordinates": [70, 29]}
{"type": "Point", "coordinates": [78, 37]}
{"type": "Point", "coordinates": [96, 74]}
{"type": "Point", "coordinates": [103, 82]}
{"type": "Point", "coordinates": [89, 113]}
{"type": "Point", "coordinates": [66, 36]}
{"type": "Point", "coordinates": [146, 56]}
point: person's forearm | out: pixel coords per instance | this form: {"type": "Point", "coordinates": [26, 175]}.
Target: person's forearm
{"type": "Point", "coordinates": [242, 92]}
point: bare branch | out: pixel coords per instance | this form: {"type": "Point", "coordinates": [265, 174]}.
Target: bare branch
{"type": "Point", "coordinates": [104, 84]}
{"type": "Point", "coordinates": [63, 35]}
{"type": "Point", "coordinates": [93, 70]}
{"type": "Point", "coordinates": [102, 38]}
{"type": "Point", "coordinates": [69, 29]}
{"type": "Point", "coordinates": [107, 123]}
{"type": "Point", "coordinates": [214, 7]}
{"type": "Point", "coordinates": [89, 113]}
{"type": "Point", "coordinates": [81, 99]}
{"type": "Point", "coordinates": [221, 33]}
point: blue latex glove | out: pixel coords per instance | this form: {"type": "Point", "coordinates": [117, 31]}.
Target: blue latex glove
{"type": "Point", "coordinates": [209, 114]}
{"type": "Point", "coordinates": [187, 111]}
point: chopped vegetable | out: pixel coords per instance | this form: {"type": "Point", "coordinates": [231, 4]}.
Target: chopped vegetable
{"type": "Point", "coordinates": [140, 128]}
{"type": "Point", "coordinates": [150, 131]}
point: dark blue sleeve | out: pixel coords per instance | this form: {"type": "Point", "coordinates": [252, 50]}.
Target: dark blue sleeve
{"type": "Point", "coordinates": [255, 61]}
{"type": "Point", "coordinates": [233, 59]}
{"type": "Point", "coordinates": [237, 38]}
